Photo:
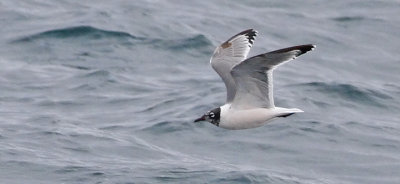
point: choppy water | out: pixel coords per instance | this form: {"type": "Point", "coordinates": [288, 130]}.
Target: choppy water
{"type": "Point", "coordinates": [106, 92]}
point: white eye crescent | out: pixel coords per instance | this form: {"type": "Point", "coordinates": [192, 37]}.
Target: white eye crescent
{"type": "Point", "coordinates": [212, 114]}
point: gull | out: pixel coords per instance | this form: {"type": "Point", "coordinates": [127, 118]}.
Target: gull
{"type": "Point", "coordinates": [248, 82]}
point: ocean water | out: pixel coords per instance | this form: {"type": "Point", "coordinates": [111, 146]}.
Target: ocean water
{"type": "Point", "coordinates": [106, 92]}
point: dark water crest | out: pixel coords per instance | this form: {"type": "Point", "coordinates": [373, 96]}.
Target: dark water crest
{"type": "Point", "coordinates": [106, 92]}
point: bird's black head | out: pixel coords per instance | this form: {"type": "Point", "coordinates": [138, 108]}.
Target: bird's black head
{"type": "Point", "coordinates": [212, 116]}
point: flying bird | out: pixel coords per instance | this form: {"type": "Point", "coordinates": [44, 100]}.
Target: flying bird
{"type": "Point", "coordinates": [248, 82]}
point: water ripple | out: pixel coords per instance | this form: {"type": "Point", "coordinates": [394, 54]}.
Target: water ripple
{"type": "Point", "coordinates": [350, 92]}
{"type": "Point", "coordinates": [76, 32]}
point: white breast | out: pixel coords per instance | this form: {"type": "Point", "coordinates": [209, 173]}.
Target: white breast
{"type": "Point", "coordinates": [243, 119]}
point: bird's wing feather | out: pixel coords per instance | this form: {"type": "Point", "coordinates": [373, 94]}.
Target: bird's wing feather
{"type": "Point", "coordinates": [253, 77]}
{"type": "Point", "coordinates": [230, 53]}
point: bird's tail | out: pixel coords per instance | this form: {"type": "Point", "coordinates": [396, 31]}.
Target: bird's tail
{"type": "Point", "coordinates": [284, 112]}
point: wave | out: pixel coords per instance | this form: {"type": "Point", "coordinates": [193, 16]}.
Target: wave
{"type": "Point", "coordinates": [166, 127]}
{"type": "Point", "coordinates": [349, 92]}
{"type": "Point", "coordinates": [198, 42]}
{"type": "Point", "coordinates": [348, 18]}
{"type": "Point", "coordinates": [77, 31]}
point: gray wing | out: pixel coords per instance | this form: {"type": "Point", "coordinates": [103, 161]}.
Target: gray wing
{"type": "Point", "coordinates": [253, 77]}
{"type": "Point", "coordinates": [230, 53]}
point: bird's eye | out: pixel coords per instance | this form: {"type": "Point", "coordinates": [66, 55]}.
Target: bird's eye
{"type": "Point", "coordinates": [212, 114]}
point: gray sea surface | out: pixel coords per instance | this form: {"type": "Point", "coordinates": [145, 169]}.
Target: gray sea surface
{"type": "Point", "coordinates": [107, 91]}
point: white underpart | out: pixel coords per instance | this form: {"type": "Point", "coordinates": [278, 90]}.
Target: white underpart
{"type": "Point", "coordinates": [236, 119]}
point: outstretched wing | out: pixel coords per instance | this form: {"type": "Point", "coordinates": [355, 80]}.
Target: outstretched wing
{"type": "Point", "coordinates": [253, 77]}
{"type": "Point", "coordinates": [230, 53]}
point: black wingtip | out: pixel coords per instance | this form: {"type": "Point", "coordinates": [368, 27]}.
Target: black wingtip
{"type": "Point", "coordinates": [302, 48]}
{"type": "Point", "coordinates": [249, 33]}
{"type": "Point", "coordinates": [306, 48]}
